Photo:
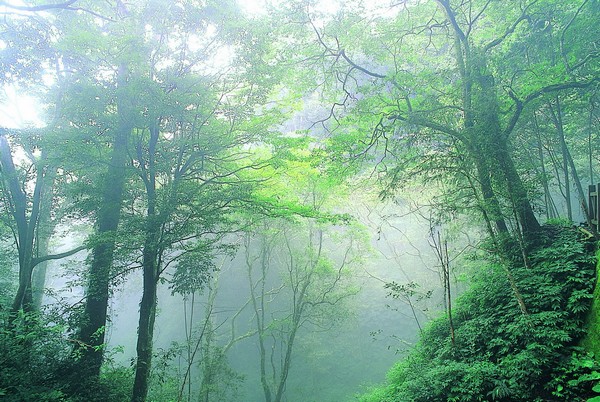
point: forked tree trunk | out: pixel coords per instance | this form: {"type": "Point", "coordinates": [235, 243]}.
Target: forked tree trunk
{"type": "Point", "coordinates": [26, 223]}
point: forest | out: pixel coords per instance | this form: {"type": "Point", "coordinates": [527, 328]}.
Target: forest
{"type": "Point", "coordinates": [304, 200]}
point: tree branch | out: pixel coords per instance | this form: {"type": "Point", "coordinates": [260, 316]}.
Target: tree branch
{"type": "Point", "coordinates": [515, 117]}
{"type": "Point", "coordinates": [423, 122]}
{"type": "Point", "coordinates": [510, 29]}
{"type": "Point", "coordinates": [38, 260]}
{"type": "Point", "coordinates": [66, 5]}
{"type": "Point", "coordinates": [520, 104]}
{"type": "Point", "coordinates": [562, 36]}
{"type": "Point", "coordinates": [450, 14]}
{"type": "Point", "coordinates": [356, 66]}
{"type": "Point", "coordinates": [559, 87]}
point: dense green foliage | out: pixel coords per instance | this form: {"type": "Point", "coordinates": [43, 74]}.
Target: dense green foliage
{"type": "Point", "coordinates": [37, 365]}
{"type": "Point", "coordinates": [500, 353]}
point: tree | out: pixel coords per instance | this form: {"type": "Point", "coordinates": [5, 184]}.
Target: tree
{"type": "Point", "coordinates": [24, 208]}
{"type": "Point", "coordinates": [189, 149]}
{"type": "Point", "coordinates": [92, 332]}
{"type": "Point", "coordinates": [438, 79]}
{"type": "Point", "coordinates": [309, 293]}
{"type": "Point", "coordinates": [59, 55]}
{"type": "Point", "coordinates": [217, 379]}
{"type": "Point", "coordinates": [296, 284]}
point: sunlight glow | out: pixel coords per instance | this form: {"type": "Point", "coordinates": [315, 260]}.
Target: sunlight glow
{"type": "Point", "coordinates": [18, 110]}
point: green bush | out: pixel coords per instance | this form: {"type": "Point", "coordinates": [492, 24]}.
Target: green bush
{"type": "Point", "coordinates": [32, 354]}
{"type": "Point", "coordinates": [500, 353]}
{"type": "Point", "coordinates": [37, 365]}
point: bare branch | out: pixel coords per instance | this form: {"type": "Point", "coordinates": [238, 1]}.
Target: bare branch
{"type": "Point", "coordinates": [450, 14]}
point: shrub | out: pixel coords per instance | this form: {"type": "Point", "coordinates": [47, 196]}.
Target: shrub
{"type": "Point", "coordinates": [500, 353]}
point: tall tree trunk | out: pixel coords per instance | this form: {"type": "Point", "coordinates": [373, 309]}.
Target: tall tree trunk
{"type": "Point", "coordinates": [495, 144]}
{"type": "Point", "coordinates": [298, 313]}
{"type": "Point", "coordinates": [578, 186]}
{"type": "Point", "coordinates": [556, 166]}
{"type": "Point", "coordinates": [557, 120]}
{"type": "Point", "coordinates": [147, 317]}
{"type": "Point", "coordinates": [491, 206]}
{"type": "Point", "coordinates": [46, 227]}
{"type": "Point", "coordinates": [518, 194]}
{"type": "Point", "coordinates": [568, 163]}
{"type": "Point", "coordinates": [150, 265]}
{"type": "Point", "coordinates": [550, 206]}
{"type": "Point", "coordinates": [258, 304]}
{"type": "Point", "coordinates": [92, 333]}
{"type": "Point", "coordinates": [480, 114]}
{"type": "Point", "coordinates": [287, 360]}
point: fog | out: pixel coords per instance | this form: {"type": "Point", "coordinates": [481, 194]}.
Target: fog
{"type": "Point", "coordinates": [329, 363]}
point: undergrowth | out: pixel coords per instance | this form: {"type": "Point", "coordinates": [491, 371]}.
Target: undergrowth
{"type": "Point", "coordinates": [501, 353]}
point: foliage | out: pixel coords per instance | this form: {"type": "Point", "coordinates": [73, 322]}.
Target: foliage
{"type": "Point", "coordinates": [500, 353]}
{"type": "Point", "coordinates": [8, 275]}
{"type": "Point", "coordinates": [36, 365]}
{"type": "Point", "coordinates": [591, 341]}
{"type": "Point", "coordinates": [31, 360]}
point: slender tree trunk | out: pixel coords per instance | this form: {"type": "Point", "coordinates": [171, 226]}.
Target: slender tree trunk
{"type": "Point", "coordinates": [300, 290]}
{"type": "Point", "coordinates": [46, 227]}
{"type": "Point", "coordinates": [557, 173]}
{"type": "Point", "coordinates": [287, 360]}
{"type": "Point", "coordinates": [208, 369]}
{"type": "Point", "coordinates": [568, 163]}
{"type": "Point", "coordinates": [551, 211]}
{"type": "Point", "coordinates": [297, 315]}
{"type": "Point", "coordinates": [441, 249]}
{"type": "Point", "coordinates": [147, 317]}
{"type": "Point", "coordinates": [151, 266]}
{"type": "Point", "coordinates": [92, 333]}
{"type": "Point", "coordinates": [258, 303]}
{"type": "Point", "coordinates": [557, 120]}
{"type": "Point", "coordinates": [578, 186]}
